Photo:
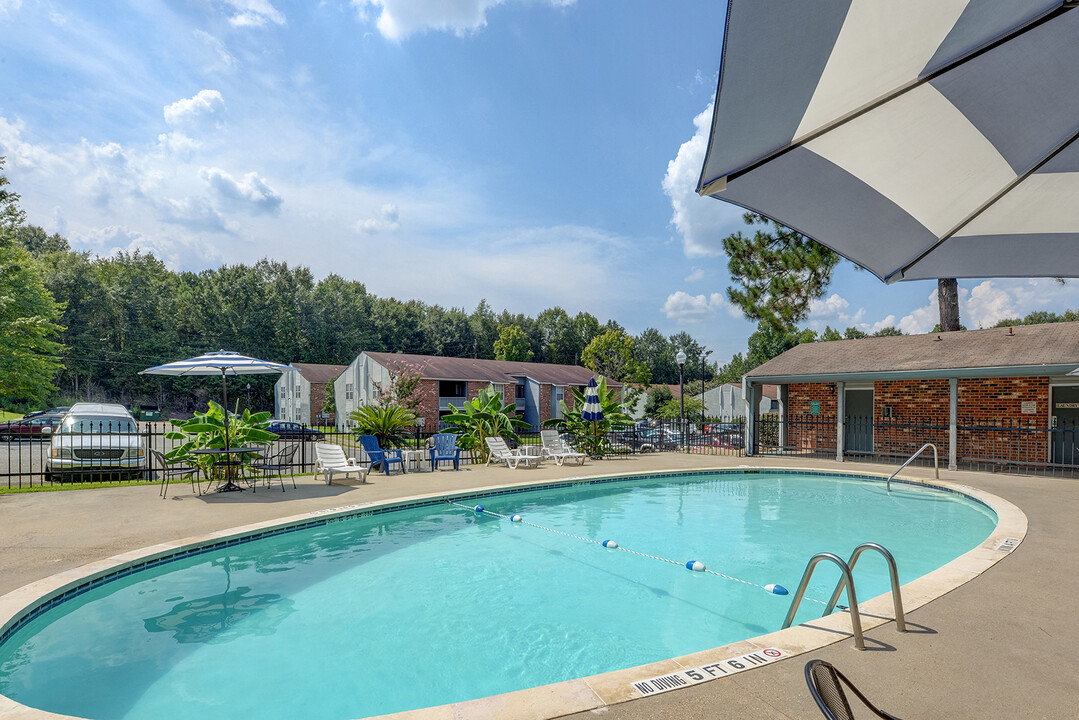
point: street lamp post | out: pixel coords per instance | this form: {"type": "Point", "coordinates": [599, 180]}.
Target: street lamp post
{"type": "Point", "coordinates": [680, 358]}
{"type": "Point", "coordinates": [248, 396]}
{"type": "Point", "coordinates": [704, 356]}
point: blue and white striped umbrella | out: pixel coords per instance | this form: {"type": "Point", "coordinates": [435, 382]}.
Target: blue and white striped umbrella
{"type": "Point", "coordinates": [921, 140]}
{"type": "Point", "coordinates": [222, 362]}
{"type": "Point", "coordinates": [591, 412]}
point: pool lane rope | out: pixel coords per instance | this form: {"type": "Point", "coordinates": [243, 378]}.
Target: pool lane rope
{"type": "Point", "coordinates": [695, 565]}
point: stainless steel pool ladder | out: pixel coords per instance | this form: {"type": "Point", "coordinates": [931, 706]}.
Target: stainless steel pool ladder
{"type": "Point", "coordinates": [936, 463]}
{"type": "Point", "coordinates": [846, 581]}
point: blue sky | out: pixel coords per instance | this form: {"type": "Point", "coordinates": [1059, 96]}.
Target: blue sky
{"type": "Point", "coordinates": [531, 152]}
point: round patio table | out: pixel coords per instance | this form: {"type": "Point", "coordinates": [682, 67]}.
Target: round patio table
{"type": "Point", "coordinates": [229, 463]}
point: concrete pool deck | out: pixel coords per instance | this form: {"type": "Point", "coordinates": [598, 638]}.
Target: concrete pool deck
{"type": "Point", "coordinates": [1002, 645]}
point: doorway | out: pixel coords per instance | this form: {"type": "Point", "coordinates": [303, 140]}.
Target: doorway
{"type": "Point", "coordinates": [858, 422]}
{"type": "Point", "coordinates": [1064, 417]}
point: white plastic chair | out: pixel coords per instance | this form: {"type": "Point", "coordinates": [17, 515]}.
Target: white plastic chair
{"type": "Point", "coordinates": [500, 452]}
{"type": "Point", "coordinates": [555, 447]}
{"type": "Point", "coordinates": [331, 459]}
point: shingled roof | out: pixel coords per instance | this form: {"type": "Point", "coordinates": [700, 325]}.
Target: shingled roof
{"type": "Point", "coordinates": [500, 372]}
{"type": "Point", "coordinates": [1025, 350]}
{"type": "Point", "coordinates": [316, 373]}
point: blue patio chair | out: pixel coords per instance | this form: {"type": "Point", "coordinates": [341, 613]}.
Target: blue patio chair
{"type": "Point", "coordinates": [445, 448]}
{"type": "Point", "coordinates": [379, 456]}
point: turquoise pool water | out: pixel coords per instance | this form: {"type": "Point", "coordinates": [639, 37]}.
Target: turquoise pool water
{"type": "Point", "coordinates": [387, 612]}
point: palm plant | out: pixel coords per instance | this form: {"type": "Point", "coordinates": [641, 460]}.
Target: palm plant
{"type": "Point", "coordinates": [482, 417]}
{"type": "Point", "coordinates": [387, 423]}
{"type": "Point", "coordinates": [207, 431]}
{"type": "Point", "coordinates": [591, 437]}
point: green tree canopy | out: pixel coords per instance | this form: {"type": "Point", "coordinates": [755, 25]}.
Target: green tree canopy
{"type": "Point", "coordinates": [512, 344]}
{"type": "Point", "coordinates": [29, 316]}
{"type": "Point", "coordinates": [611, 355]}
{"type": "Point", "coordinates": [657, 398]}
{"type": "Point", "coordinates": [777, 272]}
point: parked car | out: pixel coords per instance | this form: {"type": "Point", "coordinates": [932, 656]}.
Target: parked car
{"type": "Point", "coordinates": [644, 441]}
{"type": "Point", "coordinates": [38, 427]}
{"type": "Point", "coordinates": [95, 438]}
{"type": "Point", "coordinates": [294, 431]}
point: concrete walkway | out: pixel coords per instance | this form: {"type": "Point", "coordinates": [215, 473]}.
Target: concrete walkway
{"type": "Point", "coordinates": [1001, 646]}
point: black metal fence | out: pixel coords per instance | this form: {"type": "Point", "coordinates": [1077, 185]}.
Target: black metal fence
{"type": "Point", "coordinates": [134, 452]}
{"type": "Point", "coordinates": [1030, 447]}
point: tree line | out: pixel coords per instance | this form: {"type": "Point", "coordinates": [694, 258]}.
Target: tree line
{"type": "Point", "coordinates": [129, 311]}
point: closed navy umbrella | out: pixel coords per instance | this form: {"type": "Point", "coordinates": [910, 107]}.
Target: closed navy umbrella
{"type": "Point", "coordinates": [592, 411]}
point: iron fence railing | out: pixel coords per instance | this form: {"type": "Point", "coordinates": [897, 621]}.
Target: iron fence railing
{"type": "Point", "coordinates": [1030, 447]}
{"type": "Point", "coordinates": [132, 454]}
{"type": "Point", "coordinates": [995, 446]}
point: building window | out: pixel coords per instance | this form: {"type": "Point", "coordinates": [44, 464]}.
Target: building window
{"type": "Point", "coordinates": [520, 391]}
{"type": "Point", "coordinates": [284, 392]}
{"type": "Point", "coordinates": [348, 391]}
{"type": "Point", "coordinates": [451, 388]}
{"type": "Point", "coordinates": [297, 392]}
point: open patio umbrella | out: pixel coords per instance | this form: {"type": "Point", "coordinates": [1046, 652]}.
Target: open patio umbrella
{"type": "Point", "coordinates": [919, 139]}
{"type": "Point", "coordinates": [223, 363]}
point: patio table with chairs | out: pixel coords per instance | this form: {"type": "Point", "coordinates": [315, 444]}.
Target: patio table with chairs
{"type": "Point", "coordinates": [228, 464]}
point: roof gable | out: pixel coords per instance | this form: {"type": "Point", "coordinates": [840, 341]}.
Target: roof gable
{"type": "Point", "coordinates": [317, 374]}
{"type": "Point", "coordinates": [1021, 346]}
{"type": "Point", "coordinates": [500, 372]}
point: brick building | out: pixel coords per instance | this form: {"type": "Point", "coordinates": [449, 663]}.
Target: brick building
{"type": "Point", "coordinates": [536, 388]}
{"type": "Point", "coordinates": [1005, 394]}
{"type": "Point", "coordinates": [299, 393]}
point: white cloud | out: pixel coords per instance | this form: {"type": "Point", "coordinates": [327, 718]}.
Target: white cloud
{"type": "Point", "coordinates": [687, 309]}
{"type": "Point", "coordinates": [696, 275]}
{"type": "Point", "coordinates": [835, 310]}
{"type": "Point", "coordinates": [987, 305]}
{"type": "Point", "coordinates": [205, 107]}
{"type": "Point", "coordinates": [888, 321]}
{"type": "Point", "coordinates": [703, 222]}
{"type": "Point", "coordinates": [397, 19]}
{"type": "Point", "coordinates": [194, 213]}
{"type": "Point", "coordinates": [252, 192]}
{"type": "Point", "coordinates": [387, 220]}
{"type": "Point", "coordinates": [178, 144]}
{"type": "Point", "coordinates": [254, 13]}
{"type": "Point", "coordinates": [109, 173]}
{"type": "Point", "coordinates": [21, 154]}
{"type": "Point", "coordinates": [9, 6]}
{"type": "Point", "coordinates": [225, 58]}
{"type": "Point", "coordinates": [923, 319]}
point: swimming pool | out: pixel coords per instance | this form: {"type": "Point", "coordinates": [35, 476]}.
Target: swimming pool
{"type": "Point", "coordinates": [377, 612]}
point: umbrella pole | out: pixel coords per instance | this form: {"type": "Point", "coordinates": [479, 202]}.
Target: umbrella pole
{"type": "Point", "coordinates": [225, 397]}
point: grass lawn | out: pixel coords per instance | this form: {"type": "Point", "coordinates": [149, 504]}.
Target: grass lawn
{"type": "Point", "coordinates": [5, 415]}
{"type": "Point", "coordinates": [54, 487]}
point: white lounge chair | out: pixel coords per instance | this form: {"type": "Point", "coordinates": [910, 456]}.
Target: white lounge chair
{"type": "Point", "coordinates": [500, 452]}
{"type": "Point", "coordinates": [554, 446]}
{"type": "Point", "coordinates": [331, 459]}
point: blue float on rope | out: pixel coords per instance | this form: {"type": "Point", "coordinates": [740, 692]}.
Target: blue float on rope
{"type": "Point", "coordinates": [696, 566]}
{"type": "Point", "coordinates": [776, 589]}
{"type": "Point", "coordinates": [610, 544]}
{"type": "Point", "coordinates": [515, 518]}
{"type": "Point", "coordinates": [478, 508]}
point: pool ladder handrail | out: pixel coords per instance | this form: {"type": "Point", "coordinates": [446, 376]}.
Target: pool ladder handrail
{"type": "Point", "coordinates": [846, 581]}
{"type": "Point", "coordinates": [936, 463]}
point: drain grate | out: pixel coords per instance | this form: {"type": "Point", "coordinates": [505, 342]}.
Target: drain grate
{"type": "Point", "coordinates": [1008, 544]}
